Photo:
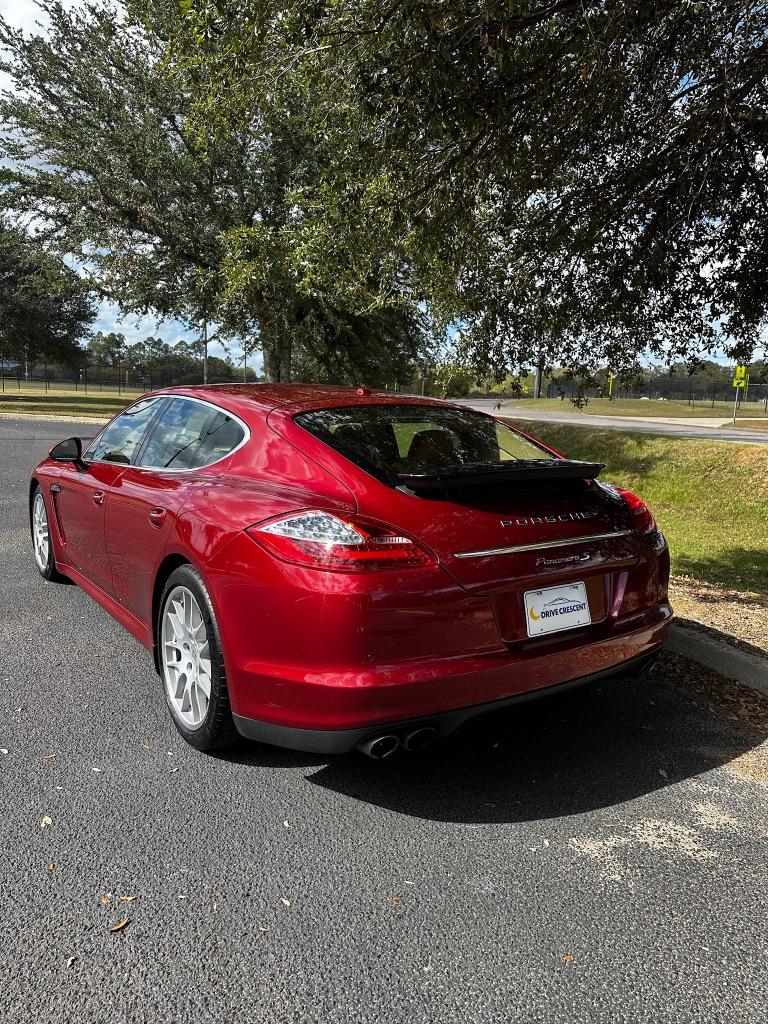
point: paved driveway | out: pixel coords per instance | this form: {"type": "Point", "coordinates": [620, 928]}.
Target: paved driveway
{"type": "Point", "coordinates": [596, 858]}
{"type": "Point", "coordinates": [667, 427]}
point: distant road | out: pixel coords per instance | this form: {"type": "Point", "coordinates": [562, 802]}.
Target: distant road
{"type": "Point", "coordinates": [637, 424]}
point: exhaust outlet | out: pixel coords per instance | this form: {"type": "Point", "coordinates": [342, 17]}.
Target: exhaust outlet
{"type": "Point", "coordinates": [379, 747]}
{"type": "Point", "coordinates": [419, 738]}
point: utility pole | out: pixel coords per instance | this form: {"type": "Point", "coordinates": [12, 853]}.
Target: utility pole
{"type": "Point", "coordinates": [538, 379]}
{"type": "Point", "coordinates": [205, 350]}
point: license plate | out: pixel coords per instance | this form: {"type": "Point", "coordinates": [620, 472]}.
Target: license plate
{"type": "Point", "coordinates": [556, 608]}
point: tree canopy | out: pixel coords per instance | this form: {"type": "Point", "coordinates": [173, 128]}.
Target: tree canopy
{"type": "Point", "coordinates": [97, 151]}
{"type": "Point", "coordinates": [45, 308]}
{"type": "Point", "coordinates": [567, 181]}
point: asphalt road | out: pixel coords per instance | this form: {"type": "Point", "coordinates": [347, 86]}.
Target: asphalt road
{"type": "Point", "coordinates": [599, 857]}
{"type": "Point", "coordinates": [634, 425]}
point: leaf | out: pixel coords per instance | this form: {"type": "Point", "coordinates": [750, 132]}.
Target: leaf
{"type": "Point", "coordinates": [127, 899]}
{"type": "Point", "coordinates": [286, 824]}
{"type": "Point", "coordinates": [47, 757]}
{"type": "Point", "coordinates": [285, 902]}
{"type": "Point", "coordinates": [568, 959]}
{"type": "Point", "coordinates": [71, 959]}
{"type": "Point", "coordinates": [394, 901]}
{"type": "Point", "coordinates": [3, 750]}
{"type": "Point", "coordinates": [119, 926]}
{"type": "Point", "coordinates": [49, 867]}
{"type": "Point", "coordinates": [97, 769]}
{"type": "Point", "coordinates": [663, 773]}
{"type": "Point", "coordinates": [45, 821]}
{"type": "Point", "coordinates": [105, 899]}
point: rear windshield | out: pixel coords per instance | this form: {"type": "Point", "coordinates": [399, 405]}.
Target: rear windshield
{"type": "Point", "coordinates": [389, 440]}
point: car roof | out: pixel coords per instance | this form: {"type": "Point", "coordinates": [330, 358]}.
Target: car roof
{"type": "Point", "coordinates": [245, 398]}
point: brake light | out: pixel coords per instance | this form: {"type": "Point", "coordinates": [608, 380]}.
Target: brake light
{"type": "Point", "coordinates": [321, 540]}
{"type": "Point", "coordinates": [642, 515]}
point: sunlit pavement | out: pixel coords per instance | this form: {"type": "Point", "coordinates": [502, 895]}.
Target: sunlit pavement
{"type": "Point", "coordinates": [599, 857]}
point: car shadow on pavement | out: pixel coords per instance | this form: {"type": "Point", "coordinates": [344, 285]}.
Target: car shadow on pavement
{"type": "Point", "coordinates": [593, 748]}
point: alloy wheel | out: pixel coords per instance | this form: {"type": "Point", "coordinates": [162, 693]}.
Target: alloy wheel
{"type": "Point", "coordinates": [40, 534]}
{"type": "Point", "coordinates": [186, 658]}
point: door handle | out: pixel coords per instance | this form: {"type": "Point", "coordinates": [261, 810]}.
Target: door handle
{"type": "Point", "coordinates": [98, 497]}
{"type": "Point", "coordinates": [157, 516]}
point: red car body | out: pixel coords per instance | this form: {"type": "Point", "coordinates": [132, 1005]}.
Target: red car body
{"type": "Point", "coordinates": [321, 659]}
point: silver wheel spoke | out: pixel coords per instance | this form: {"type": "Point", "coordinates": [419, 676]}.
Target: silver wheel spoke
{"type": "Point", "coordinates": [40, 534]}
{"type": "Point", "coordinates": [186, 658]}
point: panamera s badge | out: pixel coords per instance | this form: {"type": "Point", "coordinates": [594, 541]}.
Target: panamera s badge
{"type": "Point", "coordinates": [565, 560]}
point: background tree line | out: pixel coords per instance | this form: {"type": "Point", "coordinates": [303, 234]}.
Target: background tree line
{"type": "Point", "coordinates": [360, 187]}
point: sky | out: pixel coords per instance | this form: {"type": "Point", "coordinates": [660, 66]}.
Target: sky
{"type": "Point", "coordinates": [25, 14]}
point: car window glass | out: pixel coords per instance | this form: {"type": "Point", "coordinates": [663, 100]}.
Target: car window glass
{"type": "Point", "coordinates": [390, 439]}
{"type": "Point", "coordinates": [120, 440]}
{"type": "Point", "coordinates": [189, 435]}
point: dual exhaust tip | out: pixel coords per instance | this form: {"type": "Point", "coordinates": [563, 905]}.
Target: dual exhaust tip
{"type": "Point", "coordinates": [380, 747]}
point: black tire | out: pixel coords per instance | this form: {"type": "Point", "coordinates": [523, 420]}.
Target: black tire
{"type": "Point", "coordinates": [217, 728]}
{"type": "Point", "coordinates": [48, 571]}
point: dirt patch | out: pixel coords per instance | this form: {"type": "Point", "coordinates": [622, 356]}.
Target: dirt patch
{"type": "Point", "coordinates": [740, 618]}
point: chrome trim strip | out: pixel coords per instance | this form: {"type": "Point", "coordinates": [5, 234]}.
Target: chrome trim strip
{"type": "Point", "coordinates": [542, 546]}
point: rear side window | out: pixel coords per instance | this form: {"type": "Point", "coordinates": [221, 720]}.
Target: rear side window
{"type": "Point", "coordinates": [121, 439]}
{"type": "Point", "coordinates": [190, 435]}
{"type": "Point", "coordinates": [389, 439]}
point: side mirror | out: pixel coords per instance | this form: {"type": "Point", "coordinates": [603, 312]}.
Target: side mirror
{"type": "Point", "coordinates": [70, 450]}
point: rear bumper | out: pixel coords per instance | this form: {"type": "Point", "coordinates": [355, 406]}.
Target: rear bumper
{"type": "Point", "coordinates": [340, 741]}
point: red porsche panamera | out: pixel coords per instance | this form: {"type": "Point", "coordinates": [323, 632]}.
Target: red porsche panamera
{"type": "Point", "coordinates": [324, 568]}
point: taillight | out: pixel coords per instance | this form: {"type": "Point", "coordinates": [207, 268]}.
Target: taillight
{"type": "Point", "coordinates": [321, 540]}
{"type": "Point", "coordinates": [642, 515]}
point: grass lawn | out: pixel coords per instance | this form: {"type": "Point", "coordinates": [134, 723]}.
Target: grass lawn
{"type": "Point", "coordinates": [638, 407]}
{"type": "Point", "coordinates": [752, 424]}
{"type": "Point", "coordinates": [65, 402]}
{"type": "Point", "coordinates": [709, 497]}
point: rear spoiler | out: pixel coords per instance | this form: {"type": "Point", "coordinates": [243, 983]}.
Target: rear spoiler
{"type": "Point", "coordinates": [520, 471]}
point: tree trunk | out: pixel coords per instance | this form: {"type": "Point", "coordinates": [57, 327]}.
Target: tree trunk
{"type": "Point", "coordinates": [277, 359]}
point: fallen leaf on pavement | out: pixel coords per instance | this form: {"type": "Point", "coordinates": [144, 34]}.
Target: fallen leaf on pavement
{"type": "Point", "coordinates": [105, 899]}
{"type": "Point", "coordinates": [568, 959]}
{"type": "Point", "coordinates": [285, 902]}
{"type": "Point", "coordinates": [49, 867]}
{"type": "Point", "coordinates": [663, 773]}
{"type": "Point", "coordinates": [394, 901]}
{"type": "Point", "coordinates": [127, 899]}
{"type": "Point", "coordinates": [97, 769]}
{"type": "Point", "coordinates": [119, 926]}
{"type": "Point", "coordinates": [3, 750]}
{"type": "Point", "coordinates": [286, 824]}
{"type": "Point", "coordinates": [71, 960]}
{"type": "Point", "coordinates": [45, 821]}
{"type": "Point", "coordinates": [47, 757]}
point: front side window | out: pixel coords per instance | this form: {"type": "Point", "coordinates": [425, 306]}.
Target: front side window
{"type": "Point", "coordinates": [121, 439]}
{"type": "Point", "coordinates": [389, 440]}
{"type": "Point", "coordinates": [190, 435]}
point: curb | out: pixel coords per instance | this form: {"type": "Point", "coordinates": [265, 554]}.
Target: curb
{"type": "Point", "coordinates": [52, 419]}
{"type": "Point", "coordinates": [748, 669]}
